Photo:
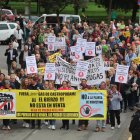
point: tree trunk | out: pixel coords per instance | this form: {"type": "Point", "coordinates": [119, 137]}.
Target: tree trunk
{"type": "Point", "coordinates": [134, 12]}
{"type": "Point", "coordinates": [58, 21]}
{"type": "Point", "coordinates": [76, 10]}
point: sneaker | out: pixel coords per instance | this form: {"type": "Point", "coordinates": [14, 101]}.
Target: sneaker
{"type": "Point", "coordinates": [53, 127]}
{"type": "Point", "coordinates": [50, 127]}
{"type": "Point", "coordinates": [8, 127]}
{"type": "Point", "coordinates": [79, 129]}
{"type": "Point", "coordinates": [27, 125]}
{"type": "Point", "coordinates": [112, 128]}
{"type": "Point", "coordinates": [24, 124]}
{"type": "Point", "coordinates": [119, 126]}
{"type": "Point", "coordinates": [46, 122]}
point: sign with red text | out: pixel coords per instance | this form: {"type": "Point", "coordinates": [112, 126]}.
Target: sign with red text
{"type": "Point", "coordinates": [31, 65]}
{"type": "Point", "coordinates": [49, 73]}
{"type": "Point", "coordinates": [90, 49]}
{"type": "Point", "coordinates": [121, 74]}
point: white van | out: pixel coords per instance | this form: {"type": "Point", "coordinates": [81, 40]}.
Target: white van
{"type": "Point", "coordinates": [51, 19]}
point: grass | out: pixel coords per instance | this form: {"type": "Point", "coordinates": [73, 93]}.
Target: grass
{"type": "Point", "coordinates": [92, 11]}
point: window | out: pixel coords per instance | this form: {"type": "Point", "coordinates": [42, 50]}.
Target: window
{"type": "Point", "coordinates": [40, 20]}
{"type": "Point", "coordinates": [73, 19]}
{"type": "Point", "coordinates": [53, 19]}
{"type": "Point", "coordinates": [6, 12]}
{"type": "Point", "coordinates": [12, 26]}
{"type": "Point", "coordinates": [3, 27]}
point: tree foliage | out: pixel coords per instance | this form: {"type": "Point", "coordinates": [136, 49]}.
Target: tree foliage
{"type": "Point", "coordinates": [125, 5]}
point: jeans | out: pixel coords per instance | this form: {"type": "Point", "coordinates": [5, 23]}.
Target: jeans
{"type": "Point", "coordinates": [100, 123]}
{"type": "Point", "coordinates": [52, 122]}
{"type": "Point", "coordinates": [83, 122]}
{"type": "Point", "coordinates": [6, 122]}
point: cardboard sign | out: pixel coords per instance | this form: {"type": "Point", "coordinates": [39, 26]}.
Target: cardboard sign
{"type": "Point", "coordinates": [90, 49]}
{"type": "Point", "coordinates": [31, 65]}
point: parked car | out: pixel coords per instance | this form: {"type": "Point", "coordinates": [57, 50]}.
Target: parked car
{"type": "Point", "coordinates": [51, 19]}
{"type": "Point", "coordinates": [6, 13]}
{"type": "Point", "coordinates": [7, 30]}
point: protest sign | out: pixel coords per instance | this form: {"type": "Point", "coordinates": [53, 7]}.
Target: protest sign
{"type": "Point", "coordinates": [31, 65]}
{"type": "Point", "coordinates": [49, 73]}
{"type": "Point", "coordinates": [136, 60]}
{"type": "Point", "coordinates": [106, 65]}
{"type": "Point", "coordinates": [90, 49]}
{"type": "Point", "coordinates": [52, 58]}
{"type": "Point", "coordinates": [50, 46]}
{"type": "Point", "coordinates": [81, 69]}
{"type": "Point", "coordinates": [121, 74]}
{"type": "Point", "coordinates": [48, 104]}
{"type": "Point", "coordinates": [99, 49]}
{"type": "Point", "coordinates": [41, 71]}
{"type": "Point", "coordinates": [95, 74]}
{"type": "Point", "coordinates": [75, 53]}
{"type": "Point", "coordinates": [82, 44]}
{"type": "Point", "coordinates": [51, 39]}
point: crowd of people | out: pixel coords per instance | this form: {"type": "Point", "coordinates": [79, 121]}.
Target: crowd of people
{"type": "Point", "coordinates": [120, 44]}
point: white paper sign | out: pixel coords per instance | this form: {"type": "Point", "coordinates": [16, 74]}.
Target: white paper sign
{"type": "Point", "coordinates": [81, 69]}
{"type": "Point", "coordinates": [31, 65]}
{"type": "Point", "coordinates": [99, 49]}
{"type": "Point", "coordinates": [75, 53]}
{"type": "Point", "coordinates": [50, 46]}
{"type": "Point", "coordinates": [90, 49]}
{"type": "Point", "coordinates": [106, 65]}
{"type": "Point", "coordinates": [121, 74]}
{"type": "Point", "coordinates": [51, 39]}
{"type": "Point", "coordinates": [49, 73]}
{"type": "Point", "coordinates": [82, 44]}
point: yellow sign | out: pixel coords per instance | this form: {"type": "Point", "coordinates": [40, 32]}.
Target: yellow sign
{"type": "Point", "coordinates": [136, 60]}
{"type": "Point", "coordinates": [48, 104]}
{"type": "Point", "coordinates": [52, 58]}
{"type": "Point", "coordinates": [41, 71]}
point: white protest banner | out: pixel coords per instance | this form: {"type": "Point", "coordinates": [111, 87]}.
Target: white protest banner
{"type": "Point", "coordinates": [99, 49]}
{"type": "Point", "coordinates": [50, 46]}
{"type": "Point", "coordinates": [75, 53]}
{"type": "Point", "coordinates": [95, 74]}
{"type": "Point", "coordinates": [51, 39]}
{"type": "Point", "coordinates": [81, 69]}
{"type": "Point", "coordinates": [90, 49]}
{"type": "Point", "coordinates": [79, 39]}
{"type": "Point", "coordinates": [31, 65]}
{"type": "Point", "coordinates": [121, 74]}
{"type": "Point", "coordinates": [49, 73]}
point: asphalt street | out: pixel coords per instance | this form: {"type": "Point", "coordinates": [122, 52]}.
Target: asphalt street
{"type": "Point", "coordinates": [19, 133]}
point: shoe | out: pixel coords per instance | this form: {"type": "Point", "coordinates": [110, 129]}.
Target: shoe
{"type": "Point", "coordinates": [53, 127]}
{"type": "Point", "coordinates": [27, 125]}
{"type": "Point", "coordinates": [62, 127]}
{"type": "Point", "coordinates": [79, 129]}
{"type": "Point", "coordinates": [4, 128]}
{"type": "Point", "coordinates": [8, 127]}
{"type": "Point", "coordinates": [46, 122]}
{"type": "Point", "coordinates": [103, 130]}
{"type": "Point", "coordinates": [112, 128]}
{"type": "Point", "coordinates": [24, 124]}
{"type": "Point", "coordinates": [97, 129]}
{"type": "Point", "coordinates": [50, 127]}
{"type": "Point", "coordinates": [119, 126]}
{"type": "Point", "coordinates": [33, 127]}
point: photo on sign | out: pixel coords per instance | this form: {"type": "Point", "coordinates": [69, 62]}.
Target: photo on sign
{"type": "Point", "coordinates": [7, 104]}
{"type": "Point", "coordinates": [91, 105]}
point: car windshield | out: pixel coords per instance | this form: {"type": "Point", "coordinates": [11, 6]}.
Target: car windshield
{"type": "Point", "coordinates": [6, 12]}
{"type": "Point", "coordinates": [53, 19]}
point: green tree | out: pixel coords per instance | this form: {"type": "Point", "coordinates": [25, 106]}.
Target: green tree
{"type": "Point", "coordinates": [56, 6]}
{"type": "Point", "coordinates": [125, 5]}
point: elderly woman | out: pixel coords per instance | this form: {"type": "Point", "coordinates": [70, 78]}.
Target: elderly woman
{"type": "Point", "coordinates": [114, 106]}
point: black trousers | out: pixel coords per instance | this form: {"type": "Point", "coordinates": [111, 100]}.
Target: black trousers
{"type": "Point", "coordinates": [135, 136]}
{"type": "Point", "coordinates": [65, 124]}
{"type": "Point", "coordinates": [6, 122]}
{"type": "Point", "coordinates": [114, 114]}
{"type": "Point", "coordinates": [33, 123]}
{"type": "Point", "coordinates": [83, 122]}
{"type": "Point", "coordinates": [20, 44]}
